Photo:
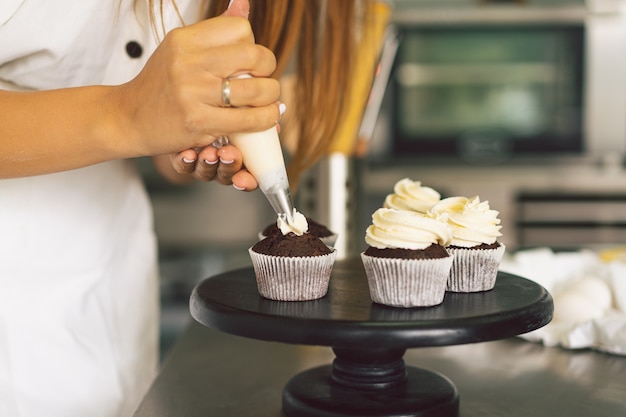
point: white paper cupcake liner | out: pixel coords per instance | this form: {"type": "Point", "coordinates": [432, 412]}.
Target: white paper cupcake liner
{"type": "Point", "coordinates": [284, 278]}
{"type": "Point", "coordinates": [474, 270]}
{"type": "Point", "coordinates": [407, 282]}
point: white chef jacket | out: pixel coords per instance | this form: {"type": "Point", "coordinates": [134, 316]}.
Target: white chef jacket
{"type": "Point", "coordinates": [78, 265]}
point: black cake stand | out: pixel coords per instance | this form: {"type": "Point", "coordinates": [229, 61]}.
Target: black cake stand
{"type": "Point", "coordinates": [368, 376]}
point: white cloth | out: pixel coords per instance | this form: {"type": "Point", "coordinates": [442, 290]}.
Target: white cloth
{"type": "Point", "coordinates": [589, 293]}
{"type": "Point", "coordinates": [78, 266]}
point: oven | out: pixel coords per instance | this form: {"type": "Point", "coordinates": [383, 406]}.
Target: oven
{"type": "Point", "coordinates": [491, 81]}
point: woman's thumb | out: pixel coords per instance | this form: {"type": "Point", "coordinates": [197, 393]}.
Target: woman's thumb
{"type": "Point", "coordinates": [239, 8]}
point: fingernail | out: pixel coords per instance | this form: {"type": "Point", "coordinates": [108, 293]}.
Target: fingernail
{"type": "Point", "coordinates": [282, 108]}
{"type": "Point", "coordinates": [238, 188]}
{"type": "Point", "coordinates": [188, 161]}
{"type": "Point", "coordinates": [227, 162]}
{"type": "Point", "coordinates": [206, 161]}
{"type": "Point", "coordinates": [229, 4]}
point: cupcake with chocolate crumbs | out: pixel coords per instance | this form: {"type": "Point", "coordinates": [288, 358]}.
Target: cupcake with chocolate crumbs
{"type": "Point", "coordinates": [291, 264]}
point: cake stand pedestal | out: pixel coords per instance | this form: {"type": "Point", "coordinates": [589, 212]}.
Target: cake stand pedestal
{"type": "Point", "coordinates": [368, 376]}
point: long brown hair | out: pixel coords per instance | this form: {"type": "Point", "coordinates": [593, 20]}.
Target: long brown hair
{"type": "Point", "coordinates": [320, 38]}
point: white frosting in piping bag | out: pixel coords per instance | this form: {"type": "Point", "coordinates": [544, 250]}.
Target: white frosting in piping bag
{"type": "Point", "coordinates": [263, 157]}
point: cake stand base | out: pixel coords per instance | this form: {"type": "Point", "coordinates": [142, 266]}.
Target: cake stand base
{"type": "Point", "coordinates": [373, 383]}
{"type": "Point", "coordinates": [368, 377]}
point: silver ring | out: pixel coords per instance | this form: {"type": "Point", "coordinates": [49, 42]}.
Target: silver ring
{"type": "Point", "coordinates": [226, 92]}
{"type": "Point", "coordinates": [219, 142]}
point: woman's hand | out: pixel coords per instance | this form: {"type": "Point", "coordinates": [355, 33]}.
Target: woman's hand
{"type": "Point", "coordinates": [223, 165]}
{"type": "Point", "coordinates": [216, 162]}
{"type": "Point", "coordinates": [176, 101]}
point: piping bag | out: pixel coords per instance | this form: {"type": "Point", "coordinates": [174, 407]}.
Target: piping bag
{"type": "Point", "coordinates": [263, 157]}
{"type": "Point", "coordinates": [262, 154]}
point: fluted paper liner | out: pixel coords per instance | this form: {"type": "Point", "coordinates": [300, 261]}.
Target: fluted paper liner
{"type": "Point", "coordinates": [407, 282]}
{"type": "Point", "coordinates": [474, 270]}
{"type": "Point", "coordinates": [284, 278]}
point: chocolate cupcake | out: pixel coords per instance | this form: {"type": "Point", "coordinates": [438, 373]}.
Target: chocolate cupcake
{"type": "Point", "coordinates": [292, 264]}
{"type": "Point", "coordinates": [477, 252]}
{"type": "Point", "coordinates": [406, 262]}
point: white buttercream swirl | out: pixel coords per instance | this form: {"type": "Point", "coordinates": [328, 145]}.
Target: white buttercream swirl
{"type": "Point", "coordinates": [472, 221]}
{"type": "Point", "coordinates": [299, 225]}
{"type": "Point", "coordinates": [402, 229]}
{"type": "Point", "coordinates": [411, 195]}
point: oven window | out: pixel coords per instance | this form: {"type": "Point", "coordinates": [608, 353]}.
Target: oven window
{"type": "Point", "coordinates": [489, 92]}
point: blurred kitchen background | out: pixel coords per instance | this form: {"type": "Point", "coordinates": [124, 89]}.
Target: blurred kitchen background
{"type": "Point", "coordinates": [522, 103]}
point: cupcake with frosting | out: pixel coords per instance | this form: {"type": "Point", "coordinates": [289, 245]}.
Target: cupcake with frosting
{"type": "Point", "coordinates": [411, 195]}
{"type": "Point", "coordinates": [292, 264]}
{"type": "Point", "coordinates": [477, 252]}
{"type": "Point", "coordinates": [406, 262]}
{"type": "Point", "coordinates": [315, 228]}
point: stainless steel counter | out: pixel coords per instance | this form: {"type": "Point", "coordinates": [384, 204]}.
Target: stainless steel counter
{"type": "Point", "coordinates": [213, 374]}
